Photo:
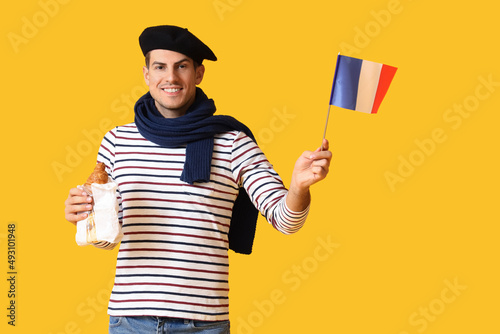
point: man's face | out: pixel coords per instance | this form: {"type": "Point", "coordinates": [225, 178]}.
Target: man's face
{"type": "Point", "coordinates": [172, 80]}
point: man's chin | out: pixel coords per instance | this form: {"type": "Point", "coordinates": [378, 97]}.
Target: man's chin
{"type": "Point", "coordinates": [171, 110]}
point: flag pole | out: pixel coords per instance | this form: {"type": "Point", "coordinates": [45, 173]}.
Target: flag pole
{"type": "Point", "coordinates": [331, 96]}
{"type": "Point", "coordinates": [326, 126]}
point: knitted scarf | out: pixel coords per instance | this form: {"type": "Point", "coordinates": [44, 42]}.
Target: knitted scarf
{"type": "Point", "coordinates": [196, 130]}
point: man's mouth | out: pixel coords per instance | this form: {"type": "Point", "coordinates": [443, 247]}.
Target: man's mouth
{"type": "Point", "coordinates": [171, 90]}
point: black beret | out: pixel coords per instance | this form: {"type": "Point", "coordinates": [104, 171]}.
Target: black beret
{"type": "Point", "coordinates": [176, 39]}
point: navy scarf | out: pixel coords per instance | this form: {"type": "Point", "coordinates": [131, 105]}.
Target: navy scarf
{"type": "Point", "coordinates": [196, 130]}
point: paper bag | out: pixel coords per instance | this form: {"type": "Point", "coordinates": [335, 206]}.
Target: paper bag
{"type": "Point", "coordinates": [102, 223]}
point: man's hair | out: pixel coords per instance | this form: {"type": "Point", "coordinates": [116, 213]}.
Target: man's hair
{"type": "Point", "coordinates": [148, 57]}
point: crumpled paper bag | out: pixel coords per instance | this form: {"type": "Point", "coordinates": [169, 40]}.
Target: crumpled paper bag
{"type": "Point", "coordinates": [102, 223]}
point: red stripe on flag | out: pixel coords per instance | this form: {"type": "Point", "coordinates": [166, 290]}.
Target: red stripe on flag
{"type": "Point", "coordinates": [386, 74]}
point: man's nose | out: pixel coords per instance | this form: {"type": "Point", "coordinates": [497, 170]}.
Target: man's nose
{"type": "Point", "coordinates": [171, 76]}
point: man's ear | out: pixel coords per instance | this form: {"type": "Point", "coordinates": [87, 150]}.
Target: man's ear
{"type": "Point", "coordinates": [145, 72]}
{"type": "Point", "coordinates": [200, 72]}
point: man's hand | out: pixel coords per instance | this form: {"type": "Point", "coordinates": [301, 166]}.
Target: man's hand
{"type": "Point", "coordinates": [311, 167]}
{"type": "Point", "coordinates": [76, 204]}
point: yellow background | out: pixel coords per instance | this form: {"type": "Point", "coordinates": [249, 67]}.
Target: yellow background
{"type": "Point", "coordinates": [410, 205]}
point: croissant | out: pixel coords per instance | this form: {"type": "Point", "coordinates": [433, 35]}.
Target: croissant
{"type": "Point", "coordinates": [99, 175]}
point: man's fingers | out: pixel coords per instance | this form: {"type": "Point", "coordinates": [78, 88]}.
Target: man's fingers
{"type": "Point", "coordinates": [77, 196]}
{"type": "Point", "coordinates": [325, 146]}
{"type": "Point", "coordinates": [77, 192]}
{"type": "Point", "coordinates": [320, 169]}
{"type": "Point", "coordinates": [321, 155]}
{"type": "Point", "coordinates": [73, 217]}
{"type": "Point", "coordinates": [77, 203]}
{"type": "Point", "coordinates": [323, 164]}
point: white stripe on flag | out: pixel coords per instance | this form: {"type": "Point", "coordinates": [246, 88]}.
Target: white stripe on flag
{"type": "Point", "coordinates": [368, 84]}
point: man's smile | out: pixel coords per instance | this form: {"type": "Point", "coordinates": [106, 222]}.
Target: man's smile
{"type": "Point", "coordinates": [171, 90]}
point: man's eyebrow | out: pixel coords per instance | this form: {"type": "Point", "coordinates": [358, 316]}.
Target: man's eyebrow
{"type": "Point", "coordinates": [181, 61]}
{"type": "Point", "coordinates": [156, 62]}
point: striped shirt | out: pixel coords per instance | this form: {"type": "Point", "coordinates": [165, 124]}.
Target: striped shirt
{"type": "Point", "coordinates": [173, 258]}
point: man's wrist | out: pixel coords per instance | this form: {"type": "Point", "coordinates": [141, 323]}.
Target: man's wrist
{"type": "Point", "coordinates": [298, 199]}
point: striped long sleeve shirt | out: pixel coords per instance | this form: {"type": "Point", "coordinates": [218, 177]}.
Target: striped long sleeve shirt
{"type": "Point", "coordinates": [173, 258]}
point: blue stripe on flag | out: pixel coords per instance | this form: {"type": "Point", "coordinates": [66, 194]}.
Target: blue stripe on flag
{"type": "Point", "coordinates": [345, 85]}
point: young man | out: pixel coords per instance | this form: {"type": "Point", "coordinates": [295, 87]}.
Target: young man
{"type": "Point", "coordinates": [190, 186]}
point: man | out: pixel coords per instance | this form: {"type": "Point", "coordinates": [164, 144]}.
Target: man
{"type": "Point", "coordinates": [189, 186]}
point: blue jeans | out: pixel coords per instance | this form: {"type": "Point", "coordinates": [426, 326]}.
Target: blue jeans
{"type": "Point", "coordinates": [158, 325]}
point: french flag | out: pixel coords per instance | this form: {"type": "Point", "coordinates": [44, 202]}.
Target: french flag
{"type": "Point", "coordinates": [360, 84]}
